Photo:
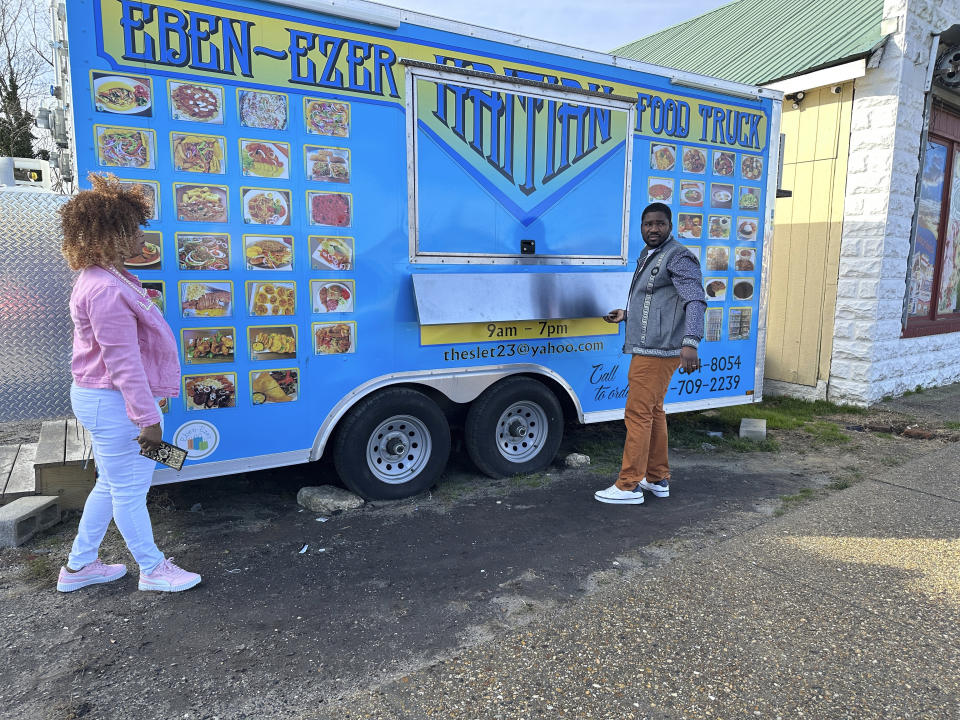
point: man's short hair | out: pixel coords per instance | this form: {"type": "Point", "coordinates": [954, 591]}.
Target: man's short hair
{"type": "Point", "coordinates": [657, 207]}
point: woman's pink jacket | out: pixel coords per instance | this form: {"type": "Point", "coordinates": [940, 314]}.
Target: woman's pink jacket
{"type": "Point", "coordinates": [121, 342]}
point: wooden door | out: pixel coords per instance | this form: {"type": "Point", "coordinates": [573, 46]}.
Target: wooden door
{"type": "Point", "coordinates": [806, 245]}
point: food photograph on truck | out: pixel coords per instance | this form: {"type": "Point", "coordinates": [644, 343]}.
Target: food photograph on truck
{"type": "Point", "coordinates": [368, 235]}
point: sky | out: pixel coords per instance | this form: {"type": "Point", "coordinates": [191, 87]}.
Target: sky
{"type": "Point", "coordinates": [601, 25]}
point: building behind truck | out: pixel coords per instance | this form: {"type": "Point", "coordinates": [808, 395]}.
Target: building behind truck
{"type": "Point", "coordinates": [865, 270]}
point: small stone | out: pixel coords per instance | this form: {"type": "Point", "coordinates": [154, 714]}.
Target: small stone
{"type": "Point", "coordinates": [576, 460]}
{"type": "Point", "coordinates": [753, 429]}
{"type": "Point", "coordinates": [197, 507]}
{"type": "Point", "coordinates": [327, 499]}
{"type": "Point", "coordinates": [707, 447]}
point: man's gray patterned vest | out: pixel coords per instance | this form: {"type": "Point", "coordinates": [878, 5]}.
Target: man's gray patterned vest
{"type": "Point", "coordinates": [655, 311]}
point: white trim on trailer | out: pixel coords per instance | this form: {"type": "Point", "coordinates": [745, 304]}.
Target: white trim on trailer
{"type": "Point", "coordinates": [773, 182]}
{"type": "Point", "coordinates": [348, 8]}
{"type": "Point", "coordinates": [705, 404]}
{"type": "Point", "coordinates": [231, 467]}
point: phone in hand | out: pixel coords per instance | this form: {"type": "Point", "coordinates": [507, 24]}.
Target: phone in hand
{"type": "Point", "coordinates": [167, 454]}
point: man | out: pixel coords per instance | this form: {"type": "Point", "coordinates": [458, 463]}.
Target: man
{"type": "Point", "coordinates": [664, 326]}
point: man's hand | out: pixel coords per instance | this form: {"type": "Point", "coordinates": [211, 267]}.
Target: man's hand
{"type": "Point", "coordinates": [688, 359]}
{"type": "Point", "coordinates": [615, 316]}
{"type": "Point", "coordinates": [150, 437]}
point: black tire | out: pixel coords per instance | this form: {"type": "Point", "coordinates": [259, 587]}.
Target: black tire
{"type": "Point", "coordinates": [396, 416]}
{"type": "Point", "coordinates": [515, 426]}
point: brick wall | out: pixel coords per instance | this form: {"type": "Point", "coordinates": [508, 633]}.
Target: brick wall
{"type": "Point", "coordinates": [870, 359]}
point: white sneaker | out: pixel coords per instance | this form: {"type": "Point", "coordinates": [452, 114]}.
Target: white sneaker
{"type": "Point", "coordinates": [616, 496]}
{"type": "Point", "coordinates": [661, 488]}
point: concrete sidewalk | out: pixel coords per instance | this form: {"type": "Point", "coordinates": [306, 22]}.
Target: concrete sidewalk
{"type": "Point", "coordinates": [846, 608]}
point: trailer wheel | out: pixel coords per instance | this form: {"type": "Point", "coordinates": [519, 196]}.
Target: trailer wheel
{"type": "Point", "coordinates": [392, 444]}
{"type": "Point", "coordinates": [514, 427]}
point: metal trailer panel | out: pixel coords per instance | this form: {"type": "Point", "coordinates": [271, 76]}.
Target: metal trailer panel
{"type": "Point", "coordinates": [390, 314]}
{"type": "Point", "coordinates": [531, 296]}
{"type": "Point", "coordinates": [36, 335]}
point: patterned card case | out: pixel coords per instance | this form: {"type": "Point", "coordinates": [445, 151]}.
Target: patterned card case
{"type": "Point", "coordinates": [167, 454]}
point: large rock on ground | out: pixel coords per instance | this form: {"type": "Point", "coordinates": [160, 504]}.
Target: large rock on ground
{"type": "Point", "coordinates": [576, 460]}
{"type": "Point", "coordinates": [327, 499]}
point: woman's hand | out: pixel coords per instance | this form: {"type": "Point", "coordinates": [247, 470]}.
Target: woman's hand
{"type": "Point", "coordinates": [615, 316]}
{"type": "Point", "coordinates": [150, 437]}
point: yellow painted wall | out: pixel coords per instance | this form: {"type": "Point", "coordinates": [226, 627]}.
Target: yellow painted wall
{"type": "Point", "coordinates": [806, 244]}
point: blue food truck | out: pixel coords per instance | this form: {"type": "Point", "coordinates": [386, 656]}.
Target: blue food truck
{"type": "Point", "coordinates": [368, 222]}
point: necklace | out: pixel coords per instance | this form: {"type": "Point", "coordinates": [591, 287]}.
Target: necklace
{"type": "Point", "coordinates": [139, 289]}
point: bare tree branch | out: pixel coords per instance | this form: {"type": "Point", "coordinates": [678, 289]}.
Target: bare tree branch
{"type": "Point", "coordinates": [25, 52]}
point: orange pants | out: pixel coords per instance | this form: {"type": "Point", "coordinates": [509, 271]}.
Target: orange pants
{"type": "Point", "coordinates": [645, 450]}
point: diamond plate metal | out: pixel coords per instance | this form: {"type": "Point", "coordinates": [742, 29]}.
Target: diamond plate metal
{"type": "Point", "coordinates": [36, 335]}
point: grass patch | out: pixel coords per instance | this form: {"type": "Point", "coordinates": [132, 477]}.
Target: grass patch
{"type": "Point", "coordinates": [884, 435]}
{"type": "Point", "coordinates": [841, 484]}
{"type": "Point", "coordinates": [851, 474]}
{"type": "Point", "coordinates": [952, 425]}
{"type": "Point", "coordinates": [451, 490]}
{"type": "Point", "coordinates": [783, 413]}
{"type": "Point", "coordinates": [826, 433]}
{"type": "Point", "coordinates": [741, 445]}
{"type": "Point", "coordinates": [788, 502]}
{"type": "Point", "coordinates": [891, 461]}
{"type": "Point", "coordinates": [688, 431]}
{"type": "Point", "coordinates": [40, 569]}
{"type": "Point", "coordinates": [529, 481]}
{"type": "Point", "coordinates": [601, 442]}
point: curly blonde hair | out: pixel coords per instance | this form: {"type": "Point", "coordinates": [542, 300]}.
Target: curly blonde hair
{"type": "Point", "coordinates": [98, 224]}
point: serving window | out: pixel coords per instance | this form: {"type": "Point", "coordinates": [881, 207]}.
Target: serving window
{"type": "Point", "coordinates": [503, 171]}
{"type": "Point", "coordinates": [933, 304]}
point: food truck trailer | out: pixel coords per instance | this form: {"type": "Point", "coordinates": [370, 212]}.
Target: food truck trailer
{"type": "Point", "coordinates": [368, 221]}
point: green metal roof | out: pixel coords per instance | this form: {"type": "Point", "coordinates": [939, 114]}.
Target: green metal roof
{"type": "Point", "coordinates": [760, 41]}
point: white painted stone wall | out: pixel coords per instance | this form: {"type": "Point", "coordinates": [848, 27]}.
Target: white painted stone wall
{"type": "Point", "coordinates": [870, 359]}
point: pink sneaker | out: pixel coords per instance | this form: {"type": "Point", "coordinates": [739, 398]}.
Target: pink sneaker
{"type": "Point", "coordinates": [91, 574]}
{"type": "Point", "coordinates": [167, 577]}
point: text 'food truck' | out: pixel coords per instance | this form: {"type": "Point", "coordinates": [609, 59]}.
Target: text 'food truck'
{"type": "Point", "coordinates": [369, 224]}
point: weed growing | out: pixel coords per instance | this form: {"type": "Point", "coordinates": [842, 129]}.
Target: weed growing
{"type": "Point", "coordinates": [40, 569]}
{"type": "Point", "coordinates": [787, 502]}
{"type": "Point", "coordinates": [826, 433]}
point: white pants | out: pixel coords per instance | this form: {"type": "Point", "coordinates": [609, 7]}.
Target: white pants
{"type": "Point", "coordinates": [123, 480]}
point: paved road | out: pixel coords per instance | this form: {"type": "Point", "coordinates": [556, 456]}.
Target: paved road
{"type": "Point", "coordinates": [848, 609]}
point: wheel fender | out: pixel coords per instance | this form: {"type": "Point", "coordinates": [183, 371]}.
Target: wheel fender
{"type": "Point", "coordinates": [460, 386]}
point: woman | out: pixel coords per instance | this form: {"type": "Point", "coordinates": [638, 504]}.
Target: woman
{"type": "Point", "coordinates": [124, 358]}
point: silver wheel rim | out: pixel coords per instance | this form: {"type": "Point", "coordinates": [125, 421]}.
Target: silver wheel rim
{"type": "Point", "coordinates": [521, 431]}
{"type": "Point", "coordinates": [398, 449]}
